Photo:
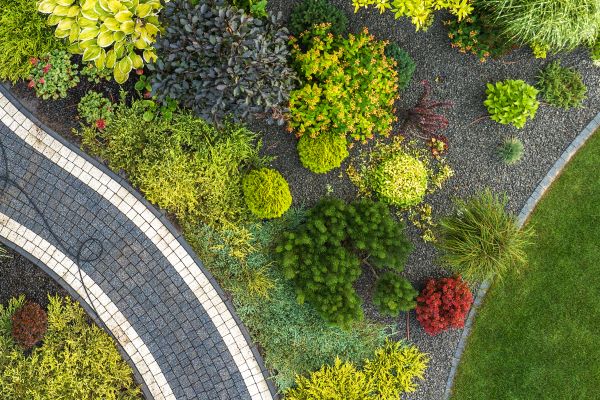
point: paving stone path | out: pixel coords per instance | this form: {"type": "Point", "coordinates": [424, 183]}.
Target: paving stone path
{"type": "Point", "coordinates": [125, 263]}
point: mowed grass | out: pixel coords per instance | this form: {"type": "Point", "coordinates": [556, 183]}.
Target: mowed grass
{"type": "Point", "coordinates": [537, 335]}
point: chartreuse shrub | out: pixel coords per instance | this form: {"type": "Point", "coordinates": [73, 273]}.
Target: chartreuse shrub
{"type": "Point", "coordinates": [556, 24]}
{"type": "Point", "coordinates": [76, 360]}
{"type": "Point", "coordinates": [481, 240]}
{"type": "Point", "coordinates": [315, 12]}
{"type": "Point", "coordinates": [23, 35]}
{"type": "Point", "coordinates": [420, 12]}
{"type": "Point", "coordinates": [114, 34]}
{"type": "Point", "coordinates": [405, 66]}
{"type": "Point", "coordinates": [232, 63]}
{"type": "Point", "coordinates": [561, 86]}
{"type": "Point", "coordinates": [323, 256]}
{"type": "Point", "coordinates": [341, 93]}
{"type": "Point", "coordinates": [393, 294]}
{"type": "Point", "coordinates": [511, 102]}
{"type": "Point", "coordinates": [267, 193]}
{"type": "Point", "coordinates": [323, 153]}
{"type": "Point", "coordinates": [294, 339]}
{"type": "Point", "coordinates": [53, 75]}
{"type": "Point", "coordinates": [391, 372]}
{"type": "Point", "coordinates": [400, 180]}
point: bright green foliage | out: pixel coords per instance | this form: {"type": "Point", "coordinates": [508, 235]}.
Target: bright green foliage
{"type": "Point", "coordinates": [257, 8]}
{"type": "Point", "coordinates": [184, 165]}
{"type": "Point", "coordinates": [511, 151]}
{"type": "Point", "coordinates": [481, 240]}
{"type": "Point", "coordinates": [405, 66]}
{"type": "Point", "coordinates": [539, 50]}
{"type": "Point", "coordinates": [393, 294]}
{"type": "Point", "coordinates": [267, 193]}
{"type": "Point", "coordinates": [595, 51]}
{"type": "Point", "coordinates": [511, 102]}
{"type": "Point", "coordinates": [400, 180]}
{"type": "Point", "coordinates": [95, 75]}
{"type": "Point", "coordinates": [419, 11]}
{"type": "Point", "coordinates": [94, 107]}
{"type": "Point", "coordinates": [557, 24]}
{"type": "Point", "coordinates": [349, 86]}
{"type": "Point", "coordinates": [323, 153]}
{"type": "Point", "coordinates": [53, 75]}
{"type": "Point", "coordinates": [395, 368]}
{"type": "Point", "coordinates": [314, 12]}
{"type": "Point", "coordinates": [23, 35]}
{"type": "Point", "coordinates": [111, 33]}
{"type": "Point", "coordinates": [322, 255]}
{"type": "Point", "coordinates": [75, 361]}
{"type": "Point", "coordinates": [561, 86]}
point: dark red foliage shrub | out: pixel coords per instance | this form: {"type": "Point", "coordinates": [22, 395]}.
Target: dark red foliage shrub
{"type": "Point", "coordinates": [424, 117]}
{"type": "Point", "coordinates": [443, 303]}
{"type": "Point", "coordinates": [29, 324]}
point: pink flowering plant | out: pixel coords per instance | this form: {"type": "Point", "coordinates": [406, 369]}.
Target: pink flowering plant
{"type": "Point", "coordinates": [53, 75]}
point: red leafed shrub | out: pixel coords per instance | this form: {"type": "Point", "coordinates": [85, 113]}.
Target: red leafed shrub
{"type": "Point", "coordinates": [443, 303]}
{"type": "Point", "coordinates": [29, 324]}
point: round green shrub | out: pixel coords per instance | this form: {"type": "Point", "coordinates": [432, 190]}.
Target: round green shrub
{"type": "Point", "coordinates": [400, 180]}
{"type": "Point", "coordinates": [393, 294]}
{"type": "Point", "coordinates": [511, 102]}
{"type": "Point", "coordinates": [561, 86]}
{"type": "Point", "coordinates": [405, 66]}
{"type": "Point", "coordinates": [323, 153]}
{"type": "Point", "coordinates": [267, 193]}
{"type": "Point", "coordinates": [94, 107]}
{"type": "Point", "coordinates": [314, 12]}
{"type": "Point", "coordinates": [511, 151]}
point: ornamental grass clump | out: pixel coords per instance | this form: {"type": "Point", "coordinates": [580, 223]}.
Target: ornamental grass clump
{"type": "Point", "coordinates": [561, 86]}
{"type": "Point", "coordinates": [481, 240]}
{"type": "Point", "coordinates": [323, 153]}
{"type": "Point", "coordinates": [266, 193]}
{"type": "Point", "coordinates": [511, 102]}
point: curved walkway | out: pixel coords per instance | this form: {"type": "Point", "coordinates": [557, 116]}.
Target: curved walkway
{"type": "Point", "coordinates": [126, 265]}
{"type": "Point", "coordinates": [526, 211]}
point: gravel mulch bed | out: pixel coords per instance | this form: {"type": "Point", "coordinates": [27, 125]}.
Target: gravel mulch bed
{"type": "Point", "coordinates": [456, 77]}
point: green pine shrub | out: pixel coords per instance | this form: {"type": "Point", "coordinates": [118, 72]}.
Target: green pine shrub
{"type": "Point", "coordinates": [511, 151]}
{"type": "Point", "coordinates": [323, 256]}
{"type": "Point", "coordinates": [481, 240]}
{"type": "Point", "coordinates": [561, 86]}
{"type": "Point", "coordinates": [511, 102]}
{"type": "Point", "coordinates": [314, 12]}
{"type": "Point", "coordinates": [24, 35]}
{"type": "Point", "coordinates": [405, 66]}
{"type": "Point", "coordinates": [341, 94]}
{"type": "Point", "coordinates": [95, 109]}
{"type": "Point", "coordinates": [393, 294]}
{"type": "Point", "coordinates": [267, 193]}
{"type": "Point", "coordinates": [400, 180]}
{"type": "Point", "coordinates": [76, 360]}
{"type": "Point", "coordinates": [323, 153]}
{"type": "Point", "coordinates": [53, 74]}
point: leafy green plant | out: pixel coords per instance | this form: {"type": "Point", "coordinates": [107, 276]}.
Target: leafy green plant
{"type": "Point", "coordinates": [400, 180]}
{"type": "Point", "coordinates": [29, 324]}
{"type": "Point", "coordinates": [561, 86]}
{"type": "Point", "coordinates": [557, 24]}
{"type": "Point", "coordinates": [511, 151]}
{"type": "Point", "coordinates": [405, 66]}
{"type": "Point", "coordinates": [232, 63]}
{"type": "Point", "coordinates": [315, 12]}
{"type": "Point", "coordinates": [323, 256]}
{"type": "Point", "coordinates": [95, 75]}
{"type": "Point", "coordinates": [419, 11]}
{"type": "Point", "coordinates": [53, 75]}
{"type": "Point", "coordinates": [257, 8]}
{"type": "Point", "coordinates": [323, 153]}
{"type": "Point", "coordinates": [393, 294]}
{"type": "Point", "coordinates": [267, 193]}
{"type": "Point", "coordinates": [481, 240]}
{"type": "Point", "coordinates": [511, 102]}
{"type": "Point", "coordinates": [340, 94]}
{"type": "Point", "coordinates": [23, 36]}
{"type": "Point", "coordinates": [595, 51]}
{"type": "Point", "coordinates": [95, 109]}
{"type": "Point", "coordinates": [144, 86]}
{"type": "Point", "coordinates": [76, 360]}
{"type": "Point", "coordinates": [539, 50]}
{"type": "Point", "coordinates": [111, 33]}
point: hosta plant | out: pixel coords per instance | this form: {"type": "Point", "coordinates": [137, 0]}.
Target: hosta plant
{"type": "Point", "coordinates": [267, 193]}
{"type": "Point", "coordinates": [561, 86]}
{"type": "Point", "coordinates": [218, 61]}
{"type": "Point", "coordinates": [341, 93]}
{"type": "Point", "coordinates": [323, 153]}
{"type": "Point", "coordinates": [114, 34]}
{"type": "Point", "coordinates": [393, 294]}
{"type": "Point", "coordinates": [511, 102]}
{"type": "Point", "coordinates": [95, 109]}
{"type": "Point", "coordinates": [53, 75]}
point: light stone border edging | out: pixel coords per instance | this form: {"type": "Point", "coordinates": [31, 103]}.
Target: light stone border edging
{"type": "Point", "coordinates": [526, 211]}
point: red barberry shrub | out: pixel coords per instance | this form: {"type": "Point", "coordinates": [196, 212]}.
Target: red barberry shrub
{"type": "Point", "coordinates": [443, 303]}
{"type": "Point", "coordinates": [424, 117]}
{"type": "Point", "coordinates": [29, 324]}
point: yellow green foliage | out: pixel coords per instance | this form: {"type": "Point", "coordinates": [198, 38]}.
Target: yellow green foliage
{"type": "Point", "coordinates": [420, 12]}
{"type": "Point", "coordinates": [76, 360]}
{"type": "Point", "coordinates": [401, 180]}
{"type": "Point", "coordinates": [267, 193]}
{"type": "Point", "coordinates": [323, 153]}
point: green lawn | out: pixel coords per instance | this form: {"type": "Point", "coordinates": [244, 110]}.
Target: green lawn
{"type": "Point", "coordinates": [537, 335]}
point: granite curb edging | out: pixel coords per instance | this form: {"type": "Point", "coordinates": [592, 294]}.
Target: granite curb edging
{"type": "Point", "coordinates": [523, 216]}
